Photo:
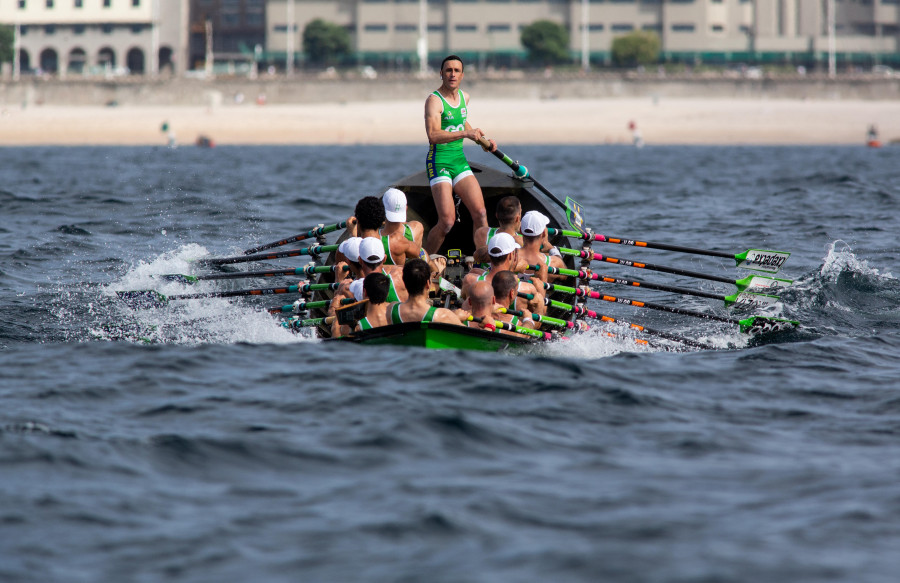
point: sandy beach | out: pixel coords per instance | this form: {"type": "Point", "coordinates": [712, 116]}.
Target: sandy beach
{"type": "Point", "coordinates": [525, 121]}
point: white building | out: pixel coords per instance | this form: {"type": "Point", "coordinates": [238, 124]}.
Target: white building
{"type": "Point", "coordinates": [77, 37]}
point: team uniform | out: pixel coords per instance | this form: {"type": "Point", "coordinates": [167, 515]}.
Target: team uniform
{"type": "Point", "coordinates": [396, 319]}
{"type": "Point", "coordinates": [386, 242]}
{"type": "Point", "coordinates": [447, 162]}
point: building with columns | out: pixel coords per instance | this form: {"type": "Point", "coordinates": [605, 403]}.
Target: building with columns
{"type": "Point", "coordinates": [81, 37]}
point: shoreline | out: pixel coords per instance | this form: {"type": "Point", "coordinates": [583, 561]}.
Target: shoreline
{"type": "Point", "coordinates": [662, 121]}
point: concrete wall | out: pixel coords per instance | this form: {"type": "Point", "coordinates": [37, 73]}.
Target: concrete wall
{"type": "Point", "coordinates": [307, 90]}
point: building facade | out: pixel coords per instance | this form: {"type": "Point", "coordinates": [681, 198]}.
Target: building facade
{"type": "Point", "coordinates": [692, 30]}
{"type": "Point", "coordinates": [89, 37]}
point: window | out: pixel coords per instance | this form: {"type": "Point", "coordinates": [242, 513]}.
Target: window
{"type": "Point", "coordinates": [375, 28]}
{"type": "Point", "coordinates": [50, 29]}
{"type": "Point", "coordinates": [622, 27]}
{"type": "Point", "coordinates": [682, 28]}
{"type": "Point", "coordinates": [717, 28]}
{"type": "Point", "coordinates": [21, 4]}
{"type": "Point", "coordinates": [107, 29]}
{"type": "Point", "coordinates": [498, 28]}
{"type": "Point", "coordinates": [655, 27]}
{"type": "Point", "coordinates": [79, 3]}
{"type": "Point", "coordinates": [78, 29]}
{"type": "Point", "coordinates": [107, 3]}
{"type": "Point", "coordinates": [436, 28]}
{"type": "Point", "coordinates": [49, 3]}
{"type": "Point", "coordinates": [595, 27]}
{"type": "Point", "coordinates": [135, 3]}
{"type": "Point", "coordinates": [405, 28]}
{"type": "Point", "coordinates": [466, 28]}
{"type": "Point", "coordinates": [137, 28]}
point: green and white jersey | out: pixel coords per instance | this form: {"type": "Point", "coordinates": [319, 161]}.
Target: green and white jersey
{"type": "Point", "coordinates": [453, 119]}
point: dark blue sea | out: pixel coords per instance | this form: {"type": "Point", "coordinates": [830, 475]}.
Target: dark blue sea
{"type": "Point", "coordinates": [205, 442]}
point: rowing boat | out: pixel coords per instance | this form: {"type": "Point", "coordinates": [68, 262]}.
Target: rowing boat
{"type": "Point", "coordinates": [495, 185]}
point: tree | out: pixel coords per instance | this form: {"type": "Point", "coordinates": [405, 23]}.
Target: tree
{"type": "Point", "coordinates": [636, 48]}
{"type": "Point", "coordinates": [324, 42]}
{"type": "Point", "coordinates": [6, 44]}
{"type": "Point", "coordinates": [547, 42]}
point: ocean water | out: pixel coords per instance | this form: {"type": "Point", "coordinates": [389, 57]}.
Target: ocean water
{"type": "Point", "coordinates": [204, 442]}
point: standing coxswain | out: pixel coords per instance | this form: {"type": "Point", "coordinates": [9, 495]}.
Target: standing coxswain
{"type": "Point", "coordinates": [446, 125]}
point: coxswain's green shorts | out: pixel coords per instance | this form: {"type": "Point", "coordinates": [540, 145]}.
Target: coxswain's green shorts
{"type": "Point", "coordinates": [443, 166]}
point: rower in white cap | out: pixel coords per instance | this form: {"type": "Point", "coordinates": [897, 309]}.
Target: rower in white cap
{"type": "Point", "coordinates": [535, 238]}
{"type": "Point", "coordinates": [402, 238]}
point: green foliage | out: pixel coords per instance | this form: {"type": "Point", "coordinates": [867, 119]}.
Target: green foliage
{"type": "Point", "coordinates": [547, 42]}
{"type": "Point", "coordinates": [6, 44]}
{"type": "Point", "coordinates": [324, 42]}
{"type": "Point", "coordinates": [636, 48]}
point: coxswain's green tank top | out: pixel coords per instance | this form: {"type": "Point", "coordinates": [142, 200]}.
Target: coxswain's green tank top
{"type": "Point", "coordinates": [453, 119]}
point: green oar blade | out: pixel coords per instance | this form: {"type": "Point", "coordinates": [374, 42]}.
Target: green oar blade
{"type": "Point", "coordinates": [143, 299]}
{"type": "Point", "coordinates": [761, 260]}
{"type": "Point", "coordinates": [181, 278]}
{"type": "Point", "coordinates": [760, 283]}
{"type": "Point", "coordinates": [747, 299]}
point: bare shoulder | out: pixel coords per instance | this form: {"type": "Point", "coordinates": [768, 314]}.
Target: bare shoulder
{"type": "Point", "coordinates": [445, 316]}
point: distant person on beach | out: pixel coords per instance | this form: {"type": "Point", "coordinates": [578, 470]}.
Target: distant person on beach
{"type": "Point", "coordinates": [446, 110]}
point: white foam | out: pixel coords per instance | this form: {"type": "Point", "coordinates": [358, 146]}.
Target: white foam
{"type": "Point", "coordinates": [839, 258]}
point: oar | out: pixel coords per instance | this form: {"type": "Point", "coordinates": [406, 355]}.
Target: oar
{"type": "Point", "coordinates": [308, 270]}
{"type": "Point", "coordinates": [754, 324]}
{"type": "Point", "coordinates": [751, 281]}
{"type": "Point", "coordinates": [295, 322]}
{"type": "Point", "coordinates": [578, 325]}
{"type": "Point", "coordinates": [580, 311]}
{"type": "Point", "coordinates": [154, 299]}
{"type": "Point", "coordinates": [755, 259]}
{"type": "Point", "coordinates": [574, 210]}
{"type": "Point", "coordinates": [313, 232]}
{"type": "Point", "coordinates": [742, 298]}
{"type": "Point", "coordinates": [313, 251]}
{"type": "Point", "coordinates": [297, 306]}
{"type": "Point", "coordinates": [520, 329]}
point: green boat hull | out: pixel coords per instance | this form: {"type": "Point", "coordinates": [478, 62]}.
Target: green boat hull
{"type": "Point", "coordinates": [437, 336]}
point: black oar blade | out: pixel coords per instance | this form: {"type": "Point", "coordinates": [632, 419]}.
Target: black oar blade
{"type": "Point", "coordinates": [143, 299]}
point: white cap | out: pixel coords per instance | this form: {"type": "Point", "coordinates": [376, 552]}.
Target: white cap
{"type": "Point", "coordinates": [534, 223]}
{"type": "Point", "coordinates": [394, 205]}
{"type": "Point", "coordinates": [371, 250]}
{"type": "Point", "coordinates": [350, 248]}
{"type": "Point", "coordinates": [502, 244]}
{"type": "Point", "coordinates": [356, 288]}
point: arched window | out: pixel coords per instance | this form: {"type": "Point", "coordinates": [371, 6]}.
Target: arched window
{"type": "Point", "coordinates": [135, 61]}
{"type": "Point", "coordinates": [77, 60]}
{"type": "Point", "coordinates": [49, 61]}
{"type": "Point", "coordinates": [106, 57]}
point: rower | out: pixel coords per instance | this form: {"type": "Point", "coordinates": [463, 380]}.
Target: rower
{"type": "Point", "coordinates": [371, 260]}
{"type": "Point", "coordinates": [375, 287]}
{"type": "Point", "coordinates": [397, 228]}
{"type": "Point", "coordinates": [509, 215]}
{"type": "Point", "coordinates": [481, 302]}
{"type": "Point", "coordinates": [504, 253]}
{"type": "Point", "coordinates": [506, 287]}
{"type": "Point", "coordinates": [535, 238]}
{"type": "Point", "coordinates": [418, 308]}
{"type": "Point", "coordinates": [348, 254]}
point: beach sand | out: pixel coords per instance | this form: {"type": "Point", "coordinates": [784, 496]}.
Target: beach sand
{"type": "Point", "coordinates": [563, 121]}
